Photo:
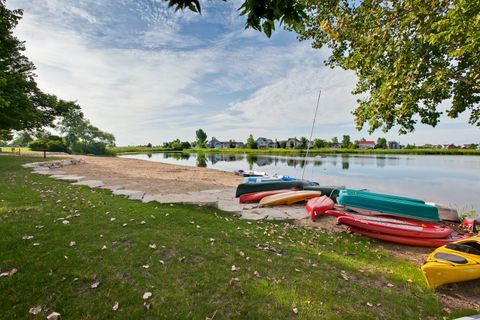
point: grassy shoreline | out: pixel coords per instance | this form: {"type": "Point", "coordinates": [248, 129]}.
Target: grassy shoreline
{"type": "Point", "coordinates": [342, 151]}
{"type": "Point", "coordinates": [184, 256]}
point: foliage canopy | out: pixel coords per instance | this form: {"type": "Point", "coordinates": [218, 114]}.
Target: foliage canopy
{"type": "Point", "coordinates": [23, 105]}
{"type": "Point", "coordinates": [409, 56]}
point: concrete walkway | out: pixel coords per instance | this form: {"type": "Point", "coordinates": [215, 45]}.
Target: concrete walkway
{"type": "Point", "coordinates": [223, 199]}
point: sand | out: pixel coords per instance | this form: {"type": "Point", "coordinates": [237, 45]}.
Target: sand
{"type": "Point", "coordinates": [152, 177]}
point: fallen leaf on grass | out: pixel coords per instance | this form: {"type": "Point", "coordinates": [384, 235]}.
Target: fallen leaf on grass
{"type": "Point", "coordinates": [145, 266]}
{"type": "Point", "coordinates": [390, 285]}
{"type": "Point", "coordinates": [369, 304]}
{"type": "Point", "coordinates": [8, 273]}
{"type": "Point", "coordinates": [72, 244]}
{"type": "Point", "coordinates": [36, 244]}
{"type": "Point", "coordinates": [344, 275]}
{"type": "Point", "coordinates": [115, 306]}
{"type": "Point", "coordinates": [161, 261]}
{"type": "Point", "coordinates": [104, 247]}
{"type": "Point", "coordinates": [113, 219]}
{"type": "Point", "coordinates": [35, 310]}
{"type": "Point", "coordinates": [152, 246]}
{"type": "Point", "coordinates": [95, 285]}
{"type": "Point", "coordinates": [53, 316]}
{"type": "Point", "coordinates": [242, 254]}
{"type": "Point", "coordinates": [65, 222]}
{"type": "Point", "coordinates": [256, 274]}
{"type": "Point", "coordinates": [181, 259]}
{"type": "Point", "coordinates": [212, 317]}
{"type": "Point", "coordinates": [147, 306]}
{"type": "Point", "coordinates": [26, 237]}
{"type": "Point", "coordinates": [124, 225]}
{"type": "Point", "coordinates": [234, 268]}
{"type": "Point", "coordinates": [295, 311]}
{"type": "Point", "coordinates": [142, 222]}
{"type": "Point", "coordinates": [147, 295]}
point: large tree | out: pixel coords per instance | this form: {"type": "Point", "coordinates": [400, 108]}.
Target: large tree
{"type": "Point", "coordinates": [201, 137]}
{"type": "Point", "coordinates": [409, 57]}
{"type": "Point", "coordinates": [78, 131]}
{"type": "Point", "coordinates": [23, 105]}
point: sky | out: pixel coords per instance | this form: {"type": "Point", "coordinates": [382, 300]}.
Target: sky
{"type": "Point", "coordinates": [149, 74]}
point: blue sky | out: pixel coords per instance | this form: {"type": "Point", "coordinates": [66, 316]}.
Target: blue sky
{"type": "Point", "coordinates": [148, 74]}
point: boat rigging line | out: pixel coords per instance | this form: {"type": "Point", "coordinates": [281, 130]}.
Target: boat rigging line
{"type": "Point", "coordinates": [311, 134]}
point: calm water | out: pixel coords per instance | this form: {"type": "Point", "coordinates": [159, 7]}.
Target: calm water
{"type": "Point", "coordinates": [450, 180]}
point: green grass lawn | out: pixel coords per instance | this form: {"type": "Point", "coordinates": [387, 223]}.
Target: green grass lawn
{"type": "Point", "coordinates": [184, 255]}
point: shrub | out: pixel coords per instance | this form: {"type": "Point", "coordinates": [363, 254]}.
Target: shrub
{"type": "Point", "coordinates": [57, 146]}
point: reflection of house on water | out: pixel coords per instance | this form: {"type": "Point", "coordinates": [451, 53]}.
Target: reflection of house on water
{"type": "Point", "coordinates": [381, 161]}
{"type": "Point", "coordinates": [216, 157]}
{"type": "Point", "coordinates": [176, 155]}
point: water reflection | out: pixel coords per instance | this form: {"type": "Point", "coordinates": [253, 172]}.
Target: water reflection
{"type": "Point", "coordinates": [201, 160]}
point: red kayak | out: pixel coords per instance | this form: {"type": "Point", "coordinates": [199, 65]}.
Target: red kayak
{"type": "Point", "coordinates": [380, 218]}
{"type": "Point", "coordinates": [318, 206]}
{"type": "Point", "coordinates": [397, 227]}
{"type": "Point", "coordinates": [257, 196]}
{"type": "Point", "coordinates": [420, 242]}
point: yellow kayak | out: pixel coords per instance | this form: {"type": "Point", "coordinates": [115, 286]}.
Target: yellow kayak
{"type": "Point", "coordinates": [288, 198]}
{"type": "Point", "coordinates": [455, 262]}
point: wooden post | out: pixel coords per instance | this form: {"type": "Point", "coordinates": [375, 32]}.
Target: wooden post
{"type": "Point", "coordinates": [44, 153]}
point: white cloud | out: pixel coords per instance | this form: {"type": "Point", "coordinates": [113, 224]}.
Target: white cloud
{"type": "Point", "coordinates": [289, 102]}
{"type": "Point", "coordinates": [119, 90]}
{"type": "Point", "coordinates": [158, 82]}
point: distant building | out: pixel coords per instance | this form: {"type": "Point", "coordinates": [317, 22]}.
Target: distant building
{"type": "Point", "coordinates": [212, 143]}
{"type": "Point", "coordinates": [393, 145]}
{"type": "Point", "coordinates": [264, 143]}
{"type": "Point", "coordinates": [449, 146]}
{"type": "Point", "coordinates": [237, 144]}
{"type": "Point", "coordinates": [336, 146]}
{"type": "Point", "coordinates": [366, 144]}
{"type": "Point", "coordinates": [216, 144]}
{"type": "Point", "coordinates": [293, 143]}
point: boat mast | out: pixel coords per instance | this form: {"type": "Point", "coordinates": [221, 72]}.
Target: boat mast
{"type": "Point", "coordinates": [311, 133]}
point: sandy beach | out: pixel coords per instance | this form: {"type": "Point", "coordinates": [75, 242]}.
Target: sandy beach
{"type": "Point", "coordinates": [152, 177]}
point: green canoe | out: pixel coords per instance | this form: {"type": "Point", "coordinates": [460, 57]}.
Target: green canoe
{"type": "Point", "coordinates": [330, 191]}
{"type": "Point", "coordinates": [388, 204]}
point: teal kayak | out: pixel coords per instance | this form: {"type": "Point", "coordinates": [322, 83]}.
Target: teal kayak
{"type": "Point", "coordinates": [388, 204]}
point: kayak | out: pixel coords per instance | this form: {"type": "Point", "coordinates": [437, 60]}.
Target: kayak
{"type": "Point", "coordinates": [381, 195]}
{"type": "Point", "coordinates": [419, 230]}
{"type": "Point", "coordinates": [387, 204]}
{"type": "Point", "coordinates": [268, 179]}
{"type": "Point", "coordinates": [379, 218]}
{"type": "Point", "coordinates": [250, 173]}
{"type": "Point", "coordinates": [318, 206]}
{"type": "Point", "coordinates": [271, 185]}
{"type": "Point", "coordinates": [288, 198]}
{"type": "Point", "coordinates": [455, 262]}
{"type": "Point", "coordinates": [411, 241]}
{"type": "Point", "coordinates": [445, 213]}
{"type": "Point", "coordinates": [330, 191]}
{"type": "Point", "coordinates": [257, 196]}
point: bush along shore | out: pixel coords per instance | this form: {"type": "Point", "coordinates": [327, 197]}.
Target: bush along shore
{"type": "Point", "coordinates": [87, 254]}
{"type": "Point", "coordinates": [341, 151]}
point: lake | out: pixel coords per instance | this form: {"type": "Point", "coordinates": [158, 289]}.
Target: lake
{"type": "Point", "coordinates": [449, 180]}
